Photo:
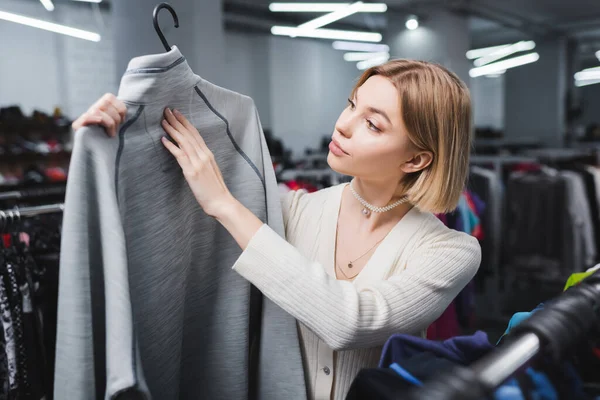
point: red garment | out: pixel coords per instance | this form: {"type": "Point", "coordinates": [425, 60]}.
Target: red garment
{"type": "Point", "coordinates": [446, 326]}
{"type": "Point", "coordinates": [7, 240]}
{"type": "Point", "coordinates": [526, 167]}
{"type": "Point", "coordinates": [297, 185]}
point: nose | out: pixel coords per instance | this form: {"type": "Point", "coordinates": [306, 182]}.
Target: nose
{"type": "Point", "coordinates": [344, 125]}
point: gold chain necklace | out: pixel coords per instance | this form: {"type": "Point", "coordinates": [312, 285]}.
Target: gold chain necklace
{"type": "Point", "coordinates": [343, 273]}
{"type": "Point", "coordinates": [350, 264]}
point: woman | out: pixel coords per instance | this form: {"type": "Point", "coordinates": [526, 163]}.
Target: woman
{"type": "Point", "coordinates": [362, 260]}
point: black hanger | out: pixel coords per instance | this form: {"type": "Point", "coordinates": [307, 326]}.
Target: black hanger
{"type": "Point", "coordinates": [157, 28]}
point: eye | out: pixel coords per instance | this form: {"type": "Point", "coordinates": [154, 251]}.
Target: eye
{"type": "Point", "coordinates": [372, 126]}
{"type": "Point", "coordinates": [351, 104]}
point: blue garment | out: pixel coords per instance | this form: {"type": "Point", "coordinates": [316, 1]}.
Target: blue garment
{"type": "Point", "coordinates": [542, 388]}
{"type": "Point", "coordinates": [517, 318]}
{"type": "Point", "coordinates": [467, 220]}
{"type": "Point", "coordinates": [404, 374]}
{"type": "Point", "coordinates": [460, 349]}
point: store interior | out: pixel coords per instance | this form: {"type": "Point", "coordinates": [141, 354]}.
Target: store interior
{"type": "Point", "coordinates": [532, 198]}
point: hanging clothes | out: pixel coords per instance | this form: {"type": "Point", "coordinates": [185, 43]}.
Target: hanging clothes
{"type": "Point", "coordinates": [145, 274]}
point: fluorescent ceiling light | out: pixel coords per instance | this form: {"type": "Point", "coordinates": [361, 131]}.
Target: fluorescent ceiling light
{"type": "Point", "coordinates": [371, 62]}
{"type": "Point", "coordinates": [325, 7]}
{"type": "Point", "coordinates": [592, 69]}
{"type": "Point", "coordinates": [412, 23]}
{"type": "Point", "coordinates": [364, 56]}
{"type": "Point", "coordinates": [327, 34]}
{"type": "Point", "coordinates": [331, 17]}
{"type": "Point", "coordinates": [505, 51]}
{"type": "Point", "coordinates": [496, 74]}
{"type": "Point", "coordinates": [89, 1]}
{"type": "Point", "coordinates": [504, 65]}
{"type": "Point", "coordinates": [49, 26]}
{"type": "Point", "coordinates": [587, 83]}
{"type": "Point", "coordinates": [587, 75]}
{"type": "Point", "coordinates": [477, 53]}
{"type": "Point", "coordinates": [354, 46]}
{"type": "Point", "coordinates": [48, 5]}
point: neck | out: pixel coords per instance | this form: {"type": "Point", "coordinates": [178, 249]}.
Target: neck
{"type": "Point", "coordinates": [380, 194]}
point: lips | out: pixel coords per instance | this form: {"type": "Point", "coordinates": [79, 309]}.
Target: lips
{"type": "Point", "coordinates": [337, 147]}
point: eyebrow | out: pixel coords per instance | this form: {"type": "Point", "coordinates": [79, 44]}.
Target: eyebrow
{"type": "Point", "coordinates": [375, 110]}
{"type": "Point", "coordinates": [380, 112]}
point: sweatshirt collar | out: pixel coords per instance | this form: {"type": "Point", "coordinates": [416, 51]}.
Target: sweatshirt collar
{"type": "Point", "coordinates": [156, 77]}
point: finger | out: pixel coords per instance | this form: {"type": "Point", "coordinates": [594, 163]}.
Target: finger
{"type": "Point", "coordinates": [192, 129]}
{"type": "Point", "coordinates": [183, 142]}
{"type": "Point", "coordinates": [120, 107]}
{"type": "Point", "coordinates": [102, 101]}
{"type": "Point", "coordinates": [204, 153]}
{"type": "Point", "coordinates": [107, 122]}
{"type": "Point", "coordinates": [114, 114]}
{"type": "Point", "coordinates": [174, 122]}
{"type": "Point", "coordinates": [85, 120]}
{"type": "Point", "coordinates": [180, 156]}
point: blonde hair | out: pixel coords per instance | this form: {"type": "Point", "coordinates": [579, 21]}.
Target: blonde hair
{"type": "Point", "coordinates": [436, 110]}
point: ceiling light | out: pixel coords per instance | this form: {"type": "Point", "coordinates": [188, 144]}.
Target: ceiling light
{"type": "Point", "coordinates": [372, 62]}
{"type": "Point", "coordinates": [354, 46]}
{"type": "Point", "coordinates": [587, 75]}
{"type": "Point", "coordinates": [89, 1]}
{"type": "Point", "coordinates": [327, 34]}
{"type": "Point", "coordinates": [325, 7]}
{"type": "Point", "coordinates": [477, 53]}
{"type": "Point", "coordinates": [412, 23]}
{"type": "Point", "coordinates": [496, 74]}
{"type": "Point", "coordinates": [364, 56]}
{"type": "Point", "coordinates": [504, 65]}
{"type": "Point", "coordinates": [49, 26]}
{"type": "Point", "coordinates": [48, 5]}
{"type": "Point", "coordinates": [505, 51]}
{"type": "Point", "coordinates": [331, 17]}
{"type": "Point", "coordinates": [592, 69]}
{"type": "Point", "coordinates": [587, 82]}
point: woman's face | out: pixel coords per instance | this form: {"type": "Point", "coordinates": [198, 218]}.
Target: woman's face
{"type": "Point", "coordinates": [370, 140]}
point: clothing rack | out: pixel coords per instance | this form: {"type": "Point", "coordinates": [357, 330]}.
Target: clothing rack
{"type": "Point", "coordinates": [7, 217]}
{"type": "Point", "coordinates": [33, 192]}
{"type": "Point", "coordinates": [554, 331]}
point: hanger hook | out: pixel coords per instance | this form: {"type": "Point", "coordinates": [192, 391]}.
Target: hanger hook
{"type": "Point", "coordinates": [157, 27]}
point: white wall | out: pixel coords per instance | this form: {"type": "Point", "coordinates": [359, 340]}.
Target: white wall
{"type": "Point", "coordinates": [310, 85]}
{"type": "Point", "coordinates": [300, 86]}
{"type": "Point", "coordinates": [42, 70]}
{"type": "Point", "coordinates": [487, 97]}
{"type": "Point", "coordinates": [249, 70]}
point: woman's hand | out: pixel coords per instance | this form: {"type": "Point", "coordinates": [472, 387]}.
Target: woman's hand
{"type": "Point", "coordinates": [197, 163]}
{"type": "Point", "coordinates": [108, 112]}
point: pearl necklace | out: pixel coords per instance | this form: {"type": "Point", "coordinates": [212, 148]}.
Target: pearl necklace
{"type": "Point", "coordinates": [370, 207]}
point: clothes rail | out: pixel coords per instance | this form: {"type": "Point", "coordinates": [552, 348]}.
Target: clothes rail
{"type": "Point", "coordinates": [9, 217]}
{"type": "Point", "coordinates": [553, 330]}
{"type": "Point", "coordinates": [33, 192]}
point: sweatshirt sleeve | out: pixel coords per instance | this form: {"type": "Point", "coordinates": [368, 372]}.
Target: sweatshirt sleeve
{"type": "Point", "coordinates": [347, 318]}
{"type": "Point", "coordinates": [94, 347]}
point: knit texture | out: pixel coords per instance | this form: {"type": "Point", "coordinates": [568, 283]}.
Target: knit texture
{"type": "Point", "coordinates": [409, 281]}
{"type": "Point", "coordinates": [148, 302]}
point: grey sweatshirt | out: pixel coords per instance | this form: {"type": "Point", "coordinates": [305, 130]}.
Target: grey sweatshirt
{"type": "Point", "coordinates": [148, 302]}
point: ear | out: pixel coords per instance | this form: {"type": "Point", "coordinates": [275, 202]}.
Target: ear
{"type": "Point", "coordinates": [418, 162]}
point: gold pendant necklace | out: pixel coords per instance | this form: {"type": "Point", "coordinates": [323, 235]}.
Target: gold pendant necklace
{"type": "Point", "coordinates": [351, 263]}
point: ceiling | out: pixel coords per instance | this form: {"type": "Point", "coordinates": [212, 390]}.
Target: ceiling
{"type": "Point", "coordinates": [490, 21]}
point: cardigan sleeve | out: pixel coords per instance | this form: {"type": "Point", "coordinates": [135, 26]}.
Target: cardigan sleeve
{"type": "Point", "coordinates": [347, 318]}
